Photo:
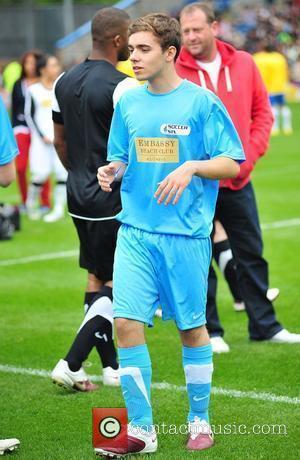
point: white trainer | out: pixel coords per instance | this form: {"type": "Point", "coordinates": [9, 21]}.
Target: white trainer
{"type": "Point", "coordinates": [111, 377]}
{"type": "Point", "coordinates": [8, 445]}
{"type": "Point", "coordinates": [272, 294]}
{"type": "Point", "coordinates": [219, 345]}
{"type": "Point", "coordinates": [54, 215]}
{"type": "Point", "coordinates": [239, 306]}
{"type": "Point", "coordinates": [139, 441]}
{"type": "Point", "coordinates": [63, 376]}
{"type": "Point", "coordinates": [285, 336]}
{"type": "Point", "coordinates": [158, 313]}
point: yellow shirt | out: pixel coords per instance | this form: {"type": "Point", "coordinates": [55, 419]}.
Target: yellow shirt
{"type": "Point", "coordinates": [126, 67]}
{"type": "Point", "coordinates": [274, 71]}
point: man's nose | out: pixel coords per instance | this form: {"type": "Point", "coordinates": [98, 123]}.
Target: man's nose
{"type": "Point", "coordinates": [191, 35]}
{"type": "Point", "coordinates": [133, 56]}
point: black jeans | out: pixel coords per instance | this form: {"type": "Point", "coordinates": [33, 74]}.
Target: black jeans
{"type": "Point", "coordinates": [237, 212]}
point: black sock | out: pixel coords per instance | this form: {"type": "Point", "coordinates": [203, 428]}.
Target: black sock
{"type": "Point", "coordinates": [88, 300]}
{"type": "Point", "coordinates": [224, 258]}
{"type": "Point", "coordinates": [86, 338]}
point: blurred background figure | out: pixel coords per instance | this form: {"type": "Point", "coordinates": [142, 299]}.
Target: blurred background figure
{"type": "Point", "coordinates": [10, 75]}
{"type": "Point", "coordinates": [275, 74]}
{"type": "Point", "coordinates": [43, 159]}
{"type": "Point", "coordinates": [28, 76]}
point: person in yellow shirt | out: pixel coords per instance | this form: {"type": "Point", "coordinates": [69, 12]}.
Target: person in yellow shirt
{"type": "Point", "coordinates": [126, 67]}
{"type": "Point", "coordinates": [274, 71]}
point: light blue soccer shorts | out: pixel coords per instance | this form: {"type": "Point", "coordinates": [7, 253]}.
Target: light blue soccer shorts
{"type": "Point", "coordinates": [153, 269]}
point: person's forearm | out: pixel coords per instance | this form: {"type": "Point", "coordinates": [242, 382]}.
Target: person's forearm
{"type": "Point", "coordinates": [119, 167]}
{"type": "Point", "coordinates": [216, 168]}
{"type": "Point", "coordinates": [61, 149]}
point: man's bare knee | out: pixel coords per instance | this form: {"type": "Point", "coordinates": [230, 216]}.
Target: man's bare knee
{"type": "Point", "coordinates": [130, 333]}
{"type": "Point", "coordinates": [196, 337]}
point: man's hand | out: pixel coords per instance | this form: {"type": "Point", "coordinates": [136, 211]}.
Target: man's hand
{"type": "Point", "coordinates": [173, 185]}
{"type": "Point", "coordinates": [106, 176]}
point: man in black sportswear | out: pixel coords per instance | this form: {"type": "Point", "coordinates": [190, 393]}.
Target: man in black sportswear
{"type": "Point", "coordinates": [84, 99]}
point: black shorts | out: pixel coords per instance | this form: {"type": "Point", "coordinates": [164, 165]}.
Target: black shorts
{"type": "Point", "coordinates": [97, 246]}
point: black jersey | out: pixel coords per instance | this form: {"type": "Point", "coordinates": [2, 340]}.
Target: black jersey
{"type": "Point", "coordinates": [84, 103]}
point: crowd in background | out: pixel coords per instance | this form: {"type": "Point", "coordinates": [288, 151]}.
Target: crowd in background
{"type": "Point", "coordinates": [279, 24]}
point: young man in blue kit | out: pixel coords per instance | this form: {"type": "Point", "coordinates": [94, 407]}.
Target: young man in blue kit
{"type": "Point", "coordinates": [169, 142]}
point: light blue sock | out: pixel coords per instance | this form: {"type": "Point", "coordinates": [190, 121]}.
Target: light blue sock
{"type": "Point", "coordinates": [198, 368]}
{"type": "Point", "coordinates": [136, 373]}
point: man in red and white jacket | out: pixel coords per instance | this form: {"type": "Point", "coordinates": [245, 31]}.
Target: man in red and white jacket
{"type": "Point", "coordinates": [234, 77]}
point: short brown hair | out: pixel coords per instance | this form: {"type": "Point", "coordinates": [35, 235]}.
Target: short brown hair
{"type": "Point", "coordinates": [108, 22]}
{"type": "Point", "coordinates": [162, 26]}
{"type": "Point", "coordinates": [204, 7]}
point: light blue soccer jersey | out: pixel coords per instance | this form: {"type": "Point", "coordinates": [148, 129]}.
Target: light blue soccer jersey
{"type": "Point", "coordinates": [154, 134]}
{"type": "Point", "coordinates": [8, 146]}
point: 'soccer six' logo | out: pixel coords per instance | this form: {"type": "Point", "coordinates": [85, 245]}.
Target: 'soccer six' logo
{"type": "Point", "coordinates": [181, 130]}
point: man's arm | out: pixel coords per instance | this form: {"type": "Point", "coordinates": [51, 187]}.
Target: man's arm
{"type": "Point", "coordinates": [174, 184]}
{"type": "Point", "coordinates": [261, 124]}
{"type": "Point", "coordinates": [7, 174]}
{"type": "Point", "coordinates": [60, 143]}
{"type": "Point", "coordinates": [8, 148]}
{"type": "Point", "coordinates": [107, 174]}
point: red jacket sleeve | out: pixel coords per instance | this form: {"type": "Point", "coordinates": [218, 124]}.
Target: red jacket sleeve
{"type": "Point", "coordinates": [261, 124]}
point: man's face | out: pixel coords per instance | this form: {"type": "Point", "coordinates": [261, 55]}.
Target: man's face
{"type": "Point", "coordinates": [198, 36]}
{"type": "Point", "coordinates": [30, 66]}
{"type": "Point", "coordinates": [147, 57]}
{"type": "Point", "coordinates": [52, 69]}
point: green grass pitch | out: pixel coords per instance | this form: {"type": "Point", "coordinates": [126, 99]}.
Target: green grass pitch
{"type": "Point", "coordinates": [41, 308]}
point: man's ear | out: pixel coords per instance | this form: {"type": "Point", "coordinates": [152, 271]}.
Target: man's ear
{"type": "Point", "coordinates": [117, 41]}
{"type": "Point", "coordinates": [215, 28]}
{"type": "Point", "coordinates": [171, 53]}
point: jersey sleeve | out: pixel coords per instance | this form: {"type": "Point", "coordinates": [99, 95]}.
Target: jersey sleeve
{"type": "Point", "coordinates": [56, 112]}
{"type": "Point", "coordinates": [118, 141]}
{"type": "Point", "coordinates": [219, 134]}
{"type": "Point", "coordinates": [122, 87]}
{"type": "Point", "coordinates": [8, 146]}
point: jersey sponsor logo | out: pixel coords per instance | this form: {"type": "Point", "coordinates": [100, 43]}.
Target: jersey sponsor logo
{"type": "Point", "coordinates": [157, 150]}
{"type": "Point", "coordinates": [172, 129]}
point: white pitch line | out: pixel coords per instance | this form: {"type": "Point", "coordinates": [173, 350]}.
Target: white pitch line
{"type": "Point", "coordinates": [40, 257]}
{"type": "Point", "coordinates": [74, 252]}
{"type": "Point", "coordinates": [262, 396]}
{"type": "Point", "coordinates": [281, 224]}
